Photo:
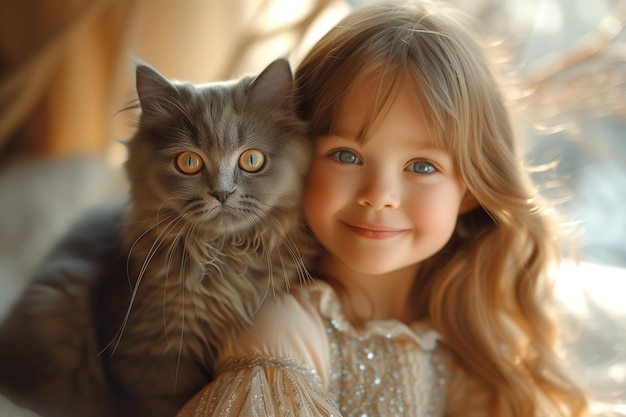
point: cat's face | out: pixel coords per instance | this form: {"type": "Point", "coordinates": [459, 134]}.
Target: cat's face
{"type": "Point", "coordinates": [222, 156]}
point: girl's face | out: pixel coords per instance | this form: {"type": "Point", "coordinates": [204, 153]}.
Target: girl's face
{"type": "Point", "coordinates": [385, 203]}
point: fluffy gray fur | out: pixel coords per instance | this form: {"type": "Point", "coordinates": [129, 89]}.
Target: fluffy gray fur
{"type": "Point", "coordinates": [128, 314]}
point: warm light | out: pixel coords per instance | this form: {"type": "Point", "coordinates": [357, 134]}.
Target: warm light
{"type": "Point", "coordinates": [549, 17]}
{"type": "Point", "coordinates": [604, 285]}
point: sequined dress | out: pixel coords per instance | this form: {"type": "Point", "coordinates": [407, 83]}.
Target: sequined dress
{"type": "Point", "coordinates": [303, 358]}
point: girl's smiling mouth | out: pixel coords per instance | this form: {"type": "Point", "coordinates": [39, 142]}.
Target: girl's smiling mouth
{"type": "Point", "coordinates": [373, 232]}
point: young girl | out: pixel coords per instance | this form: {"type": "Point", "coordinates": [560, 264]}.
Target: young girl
{"type": "Point", "coordinates": [429, 297]}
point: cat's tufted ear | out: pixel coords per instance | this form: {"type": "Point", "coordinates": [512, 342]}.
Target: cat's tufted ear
{"type": "Point", "coordinates": [151, 87]}
{"type": "Point", "coordinates": [274, 86]}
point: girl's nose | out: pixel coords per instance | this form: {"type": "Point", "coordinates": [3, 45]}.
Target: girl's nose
{"type": "Point", "coordinates": [379, 192]}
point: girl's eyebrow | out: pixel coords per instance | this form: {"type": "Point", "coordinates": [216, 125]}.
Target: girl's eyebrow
{"type": "Point", "coordinates": [413, 145]}
{"type": "Point", "coordinates": [344, 134]}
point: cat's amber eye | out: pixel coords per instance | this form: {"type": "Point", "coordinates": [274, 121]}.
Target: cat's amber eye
{"type": "Point", "coordinates": [189, 162]}
{"type": "Point", "coordinates": [251, 160]}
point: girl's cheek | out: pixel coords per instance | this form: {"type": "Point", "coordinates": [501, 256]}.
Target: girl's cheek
{"type": "Point", "coordinates": [316, 192]}
{"type": "Point", "coordinates": [434, 204]}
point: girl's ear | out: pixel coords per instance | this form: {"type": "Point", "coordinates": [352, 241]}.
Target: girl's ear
{"type": "Point", "coordinates": [469, 202]}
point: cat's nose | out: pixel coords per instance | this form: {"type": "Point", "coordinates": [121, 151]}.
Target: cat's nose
{"type": "Point", "coordinates": [221, 196]}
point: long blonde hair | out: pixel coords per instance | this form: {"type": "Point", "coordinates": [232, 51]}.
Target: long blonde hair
{"type": "Point", "coordinates": [485, 290]}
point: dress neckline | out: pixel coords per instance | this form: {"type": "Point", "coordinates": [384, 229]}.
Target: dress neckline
{"type": "Point", "coordinates": [327, 302]}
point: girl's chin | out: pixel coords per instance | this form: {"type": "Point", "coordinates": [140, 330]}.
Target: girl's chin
{"type": "Point", "coordinates": [378, 266]}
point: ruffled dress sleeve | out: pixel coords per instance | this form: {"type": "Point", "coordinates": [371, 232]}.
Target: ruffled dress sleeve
{"type": "Point", "coordinates": [278, 367]}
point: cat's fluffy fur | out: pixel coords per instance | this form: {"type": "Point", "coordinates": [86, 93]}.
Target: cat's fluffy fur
{"type": "Point", "coordinates": [128, 314]}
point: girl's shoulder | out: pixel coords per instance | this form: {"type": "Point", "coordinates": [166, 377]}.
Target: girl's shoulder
{"type": "Point", "coordinates": [302, 324]}
{"type": "Point", "coordinates": [287, 326]}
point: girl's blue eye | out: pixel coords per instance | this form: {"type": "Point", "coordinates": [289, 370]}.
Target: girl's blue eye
{"type": "Point", "coordinates": [422, 167]}
{"type": "Point", "coordinates": [346, 157]}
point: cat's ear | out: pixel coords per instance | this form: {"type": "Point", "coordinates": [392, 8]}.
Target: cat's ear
{"type": "Point", "coordinates": [273, 87]}
{"type": "Point", "coordinates": [151, 87]}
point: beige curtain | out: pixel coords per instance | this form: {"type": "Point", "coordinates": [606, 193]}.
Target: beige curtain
{"type": "Point", "coordinates": [59, 67]}
{"type": "Point", "coordinates": [66, 66]}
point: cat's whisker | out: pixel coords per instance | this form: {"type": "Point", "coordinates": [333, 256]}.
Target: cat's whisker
{"type": "Point", "coordinates": [190, 238]}
{"type": "Point", "coordinates": [290, 246]}
{"type": "Point", "coordinates": [171, 252]}
{"type": "Point", "coordinates": [270, 272]}
{"type": "Point", "coordinates": [200, 242]}
{"type": "Point", "coordinates": [162, 205]}
{"type": "Point", "coordinates": [303, 275]}
{"type": "Point", "coordinates": [119, 333]}
{"type": "Point", "coordinates": [255, 225]}
{"type": "Point", "coordinates": [163, 234]}
{"type": "Point", "coordinates": [118, 337]}
{"type": "Point", "coordinates": [156, 219]}
{"type": "Point", "coordinates": [151, 252]}
{"type": "Point", "coordinates": [132, 248]}
{"type": "Point", "coordinates": [181, 283]}
{"type": "Point", "coordinates": [267, 193]}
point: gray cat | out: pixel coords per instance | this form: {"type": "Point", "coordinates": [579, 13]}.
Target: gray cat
{"type": "Point", "coordinates": [126, 316]}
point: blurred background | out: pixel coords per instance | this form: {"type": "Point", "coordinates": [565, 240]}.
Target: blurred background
{"type": "Point", "coordinates": [67, 69]}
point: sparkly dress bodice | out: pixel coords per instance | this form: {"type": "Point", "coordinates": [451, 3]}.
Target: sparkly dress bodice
{"type": "Point", "coordinates": [304, 358]}
{"type": "Point", "coordinates": [373, 371]}
{"type": "Point", "coordinates": [371, 375]}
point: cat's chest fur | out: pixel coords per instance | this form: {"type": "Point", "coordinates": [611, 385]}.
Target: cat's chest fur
{"type": "Point", "coordinates": [197, 290]}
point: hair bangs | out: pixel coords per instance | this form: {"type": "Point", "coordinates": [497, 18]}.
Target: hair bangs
{"type": "Point", "coordinates": [382, 69]}
{"type": "Point", "coordinates": [386, 82]}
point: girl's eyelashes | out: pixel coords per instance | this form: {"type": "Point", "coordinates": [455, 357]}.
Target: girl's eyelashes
{"type": "Point", "coordinates": [418, 166]}
{"type": "Point", "coordinates": [345, 157]}
{"type": "Point", "coordinates": [422, 167]}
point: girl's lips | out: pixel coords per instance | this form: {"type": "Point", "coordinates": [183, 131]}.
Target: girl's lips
{"type": "Point", "coordinates": [373, 232]}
